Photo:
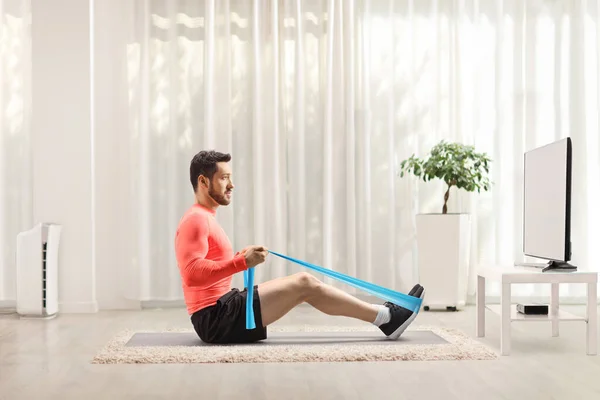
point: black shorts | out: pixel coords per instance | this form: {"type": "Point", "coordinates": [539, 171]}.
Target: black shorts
{"type": "Point", "coordinates": [225, 322]}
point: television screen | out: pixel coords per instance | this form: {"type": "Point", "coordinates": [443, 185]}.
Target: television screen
{"type": "Point", "coordinates": [547, 201]}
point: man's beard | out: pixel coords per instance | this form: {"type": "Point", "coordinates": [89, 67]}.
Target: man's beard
{"type": "Point", "coordinates": [219, 198]}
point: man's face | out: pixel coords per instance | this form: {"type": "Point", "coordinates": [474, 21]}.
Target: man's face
{"type": "Point", "coordinates": [221, 186]}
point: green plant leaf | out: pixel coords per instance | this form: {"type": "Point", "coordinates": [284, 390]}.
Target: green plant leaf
{"type": "Point", "coordinates": [455, 164]}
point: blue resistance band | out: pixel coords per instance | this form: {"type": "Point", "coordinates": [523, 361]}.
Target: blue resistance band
{"type": "Point", "coordinates": [249, 285]}
{"type": "Point", "coordinates": [403, 300]}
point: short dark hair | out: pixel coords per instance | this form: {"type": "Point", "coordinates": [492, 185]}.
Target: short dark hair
{"type": "Point", "coordinates": [205, 163]}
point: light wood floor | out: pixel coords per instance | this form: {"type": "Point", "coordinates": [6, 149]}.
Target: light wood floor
{"type": "Point", "coordinates": [51, 360]}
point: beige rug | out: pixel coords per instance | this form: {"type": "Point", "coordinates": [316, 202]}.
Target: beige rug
{"type": "Point", "coordinates": [456, 346]}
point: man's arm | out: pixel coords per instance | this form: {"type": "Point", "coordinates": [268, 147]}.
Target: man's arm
{"type": "Point", "coordinates": [191, 247]}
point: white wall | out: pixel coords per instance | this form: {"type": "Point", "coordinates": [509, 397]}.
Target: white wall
{"type": "Point", "coordinates": [61, 142]}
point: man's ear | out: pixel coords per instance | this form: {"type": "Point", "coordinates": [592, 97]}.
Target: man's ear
{"type": "Point", "coordinates": [202, 181]}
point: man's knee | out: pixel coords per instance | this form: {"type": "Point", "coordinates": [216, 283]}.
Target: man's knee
{"type": "Point", "coordinates": [307, 282]}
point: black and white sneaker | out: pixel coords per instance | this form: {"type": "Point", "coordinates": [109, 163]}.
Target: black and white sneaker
{"type": "Point", "coordinates": [401, 318]}
{"type": "Point", "coordinates": [414, 289]}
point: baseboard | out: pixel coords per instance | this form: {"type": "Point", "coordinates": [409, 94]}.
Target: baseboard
{"type": "Point", "coordinates": [8, 304]}
{"type": "Point", "coordinates": [153, 304]}
{"type": "Point", "coordinates": [80, 307]}
{"type": "Point", "coordinates": [122, 305]}
{"type": "Point", "coordinates": [8, 307]}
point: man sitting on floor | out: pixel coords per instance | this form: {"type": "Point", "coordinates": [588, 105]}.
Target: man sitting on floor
{"type": "Point", "coordinates": [207, 265]}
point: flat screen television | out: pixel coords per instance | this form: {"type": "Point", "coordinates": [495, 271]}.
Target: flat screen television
{"type": "Point", "coordinates": [547, 205]}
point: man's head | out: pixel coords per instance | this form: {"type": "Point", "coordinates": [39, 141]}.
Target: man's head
{"type": "Point", "coordinates": [210, 175]}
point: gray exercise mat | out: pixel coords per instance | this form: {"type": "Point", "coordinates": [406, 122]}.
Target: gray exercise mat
{"type": "Point", "coordinates": [287, 338]}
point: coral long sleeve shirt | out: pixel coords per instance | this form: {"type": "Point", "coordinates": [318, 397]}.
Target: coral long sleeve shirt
{"type": "Point", "coordinates": [205, 258]}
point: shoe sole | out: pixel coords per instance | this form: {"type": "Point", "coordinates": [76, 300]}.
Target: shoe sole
{"type": "Point", "coordinates": [396, 334]}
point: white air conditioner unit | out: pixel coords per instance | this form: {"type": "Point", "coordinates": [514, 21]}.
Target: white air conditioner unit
{"type": "Point", "coordinates": [37, 271]}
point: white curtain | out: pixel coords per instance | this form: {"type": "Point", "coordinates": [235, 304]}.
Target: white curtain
{"type": "Point", "coordinates": [15, 113]}
{"type": "Point", "coordinates": [319, 101]}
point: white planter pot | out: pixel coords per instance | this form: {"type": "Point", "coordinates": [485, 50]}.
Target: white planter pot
{"type": "Point", "coordinates": [443, 242]}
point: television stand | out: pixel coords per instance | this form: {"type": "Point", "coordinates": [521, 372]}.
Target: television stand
{"type": "Point", "coordinates": [559, 266]}
{"type": "Point", "coordinates": [508, 276]}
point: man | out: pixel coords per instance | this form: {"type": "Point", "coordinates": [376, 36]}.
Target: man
{"type": "Point", "coordinates": [207, 264]}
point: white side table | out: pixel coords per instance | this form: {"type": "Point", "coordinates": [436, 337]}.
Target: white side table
{"type": "Point", "coordinates": [509, 275]}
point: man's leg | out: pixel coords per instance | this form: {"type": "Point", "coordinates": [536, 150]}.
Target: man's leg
{"type": "Point", "coordinates": [279, 296]}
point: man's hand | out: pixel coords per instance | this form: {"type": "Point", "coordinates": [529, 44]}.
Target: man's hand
{"type": "Point", "coordinates": [254, 255]}
{"type": "Point", "coordinates": [244, 250]}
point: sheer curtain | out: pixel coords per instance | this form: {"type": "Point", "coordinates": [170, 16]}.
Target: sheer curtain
{"type": "Point", "coordinates": [15, 178]}
{"type": "Point", "coordinates": [319, 101]}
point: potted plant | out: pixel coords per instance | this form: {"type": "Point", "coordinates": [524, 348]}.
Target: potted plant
{"type": "Point", "coordinates": [443, 239]}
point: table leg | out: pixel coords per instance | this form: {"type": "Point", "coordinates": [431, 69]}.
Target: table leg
{"type": "Point", "coordinates": [480, 306]}
{"type": "Point", "coordinates": [592, 318]}
{"type": "Point", "coordinates": [554, 309]}
{"type": "Point", "coordinates": [505, 320]}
